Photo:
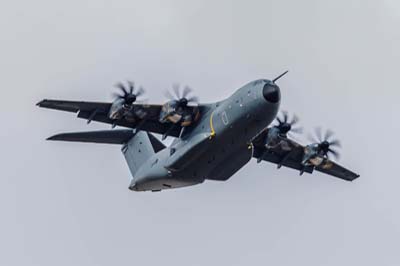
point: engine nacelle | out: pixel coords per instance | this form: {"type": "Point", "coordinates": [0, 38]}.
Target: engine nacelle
{"type": "Point", "coordinates": [275, 138]}
{"type": "Point", "coordinates": [172, 112]}
{"type": "Point", "coordinates": [117, 110]}
{"type": "Point", "coordinates": [312, 155]}
{"type": "Point", "coordinates": [121, 110]}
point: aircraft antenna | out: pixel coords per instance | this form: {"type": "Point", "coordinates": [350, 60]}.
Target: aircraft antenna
{"type": "Point", "coordinates": [281, 75]}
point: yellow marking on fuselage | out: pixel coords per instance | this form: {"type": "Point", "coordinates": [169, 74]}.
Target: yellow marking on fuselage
{"type": "Point", "coordinates": [212, 126]}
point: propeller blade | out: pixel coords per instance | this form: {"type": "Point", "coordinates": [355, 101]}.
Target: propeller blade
{"type": "Point", "coordinates": [298, 130]}
{"type": "Point", "coordinates": [122, 88]}
{"type": "Point", "coordinates": [143, 101]}
{"type": "Point", "coordinates": [175, 88]}
{"type": "Point", "coordinates": [293, 136]}
{"type": "Point", "coordinates": [117, 95]}
{"type": "Point", "coordinates": [334, 153]}
{"type": "Point", "coordinates": [131, 86]}
{"type": "Point", "coordinates": [193, 99]}
{"type": "Point", "coordinates": [186, 91]}
{"type": "Point", "coordinates": [169, 95]}
{"type": "Point", "coordinates": [285, 117]}
{"type": "Point", "coordinates": [318, 133]}
{"type": "Point", "coordinates": [312, 138]}
{"type": "Point", "coordinates": [335, 143]}
{"type": "Point", "coordinates": [329, 133]}
{"type": "Point", "coordinates": [295, 120]}
{"type": "Point", "coordinates": [140, 92]}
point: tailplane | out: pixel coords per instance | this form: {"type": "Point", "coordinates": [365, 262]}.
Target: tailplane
{"type": "Point", "coordinates": [104, 136]}
{"type": "Point", "coordinates": [137, 147]}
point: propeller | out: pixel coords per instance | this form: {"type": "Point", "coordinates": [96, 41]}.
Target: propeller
{"type": "Point", "coordinates": [326, 142]}
{"type": "Point", "coordinates": [182, 97]}
{"type": "Point", "coordinates": [285, 126]}
{"type": "Point", "coordinates": [129, 95]}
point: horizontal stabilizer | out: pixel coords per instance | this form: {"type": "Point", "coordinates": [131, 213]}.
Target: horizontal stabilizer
{"type": "Point", "coordinates": [105, 136]}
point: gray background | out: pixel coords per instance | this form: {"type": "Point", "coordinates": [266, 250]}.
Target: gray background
{"type": "Point", "coordinates": [69, 204]}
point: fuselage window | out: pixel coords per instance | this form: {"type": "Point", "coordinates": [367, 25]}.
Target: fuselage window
{"type": "Point", "coordinates": [224, 118]}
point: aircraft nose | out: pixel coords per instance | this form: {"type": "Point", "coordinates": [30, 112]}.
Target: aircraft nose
{"type": "Point", "coordinates": [271, 92]}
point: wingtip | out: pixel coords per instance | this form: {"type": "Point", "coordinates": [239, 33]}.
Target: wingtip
{"type": "Point", "coordinates": [40, 103]}
{"type": "Point", "coordinates": [355, 177]}
{"type": "Point", "coordinates": [54, 137]}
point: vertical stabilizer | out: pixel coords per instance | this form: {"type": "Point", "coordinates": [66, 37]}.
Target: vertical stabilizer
{"type": "Point", "coordinates": [141, 147]}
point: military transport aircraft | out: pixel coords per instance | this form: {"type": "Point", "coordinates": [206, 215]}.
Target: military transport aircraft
{"type": "Point", "coordinates": [212, 141]}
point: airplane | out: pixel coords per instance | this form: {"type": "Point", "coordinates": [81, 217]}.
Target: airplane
{"type": "Point", "coordinates": [211, 141]}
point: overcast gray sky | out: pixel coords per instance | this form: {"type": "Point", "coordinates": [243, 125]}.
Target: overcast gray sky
{"type": "Point", "coordinates": [69, 204]}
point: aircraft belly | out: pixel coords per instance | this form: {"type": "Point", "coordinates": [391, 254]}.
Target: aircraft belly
{"type": "Point", "coordinates": [226, 155]}
{"type": "Point", "coordinates": [153, 175]}
{"type": "Point", "coordinates": [227, 165]}
{"type": "Point", "coordinates": [219, 162]}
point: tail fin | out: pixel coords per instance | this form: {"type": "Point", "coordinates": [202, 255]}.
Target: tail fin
{"type": "Point", "coordinates": [139, 149]}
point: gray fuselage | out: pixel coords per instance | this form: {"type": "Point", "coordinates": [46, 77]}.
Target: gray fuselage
{"type": "Point", "coordinates": [217, 146]}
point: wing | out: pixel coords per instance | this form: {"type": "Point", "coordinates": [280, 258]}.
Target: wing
{"type": "Point", "coordinates": [290, 154]}
{"type": "Point", "coordinates": [98, 111]}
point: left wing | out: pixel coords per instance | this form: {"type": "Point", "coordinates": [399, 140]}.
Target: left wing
{"type": "Point", "coordinates": [98, 111]}
{"type": "Point", "coordinates": [290, 154]}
